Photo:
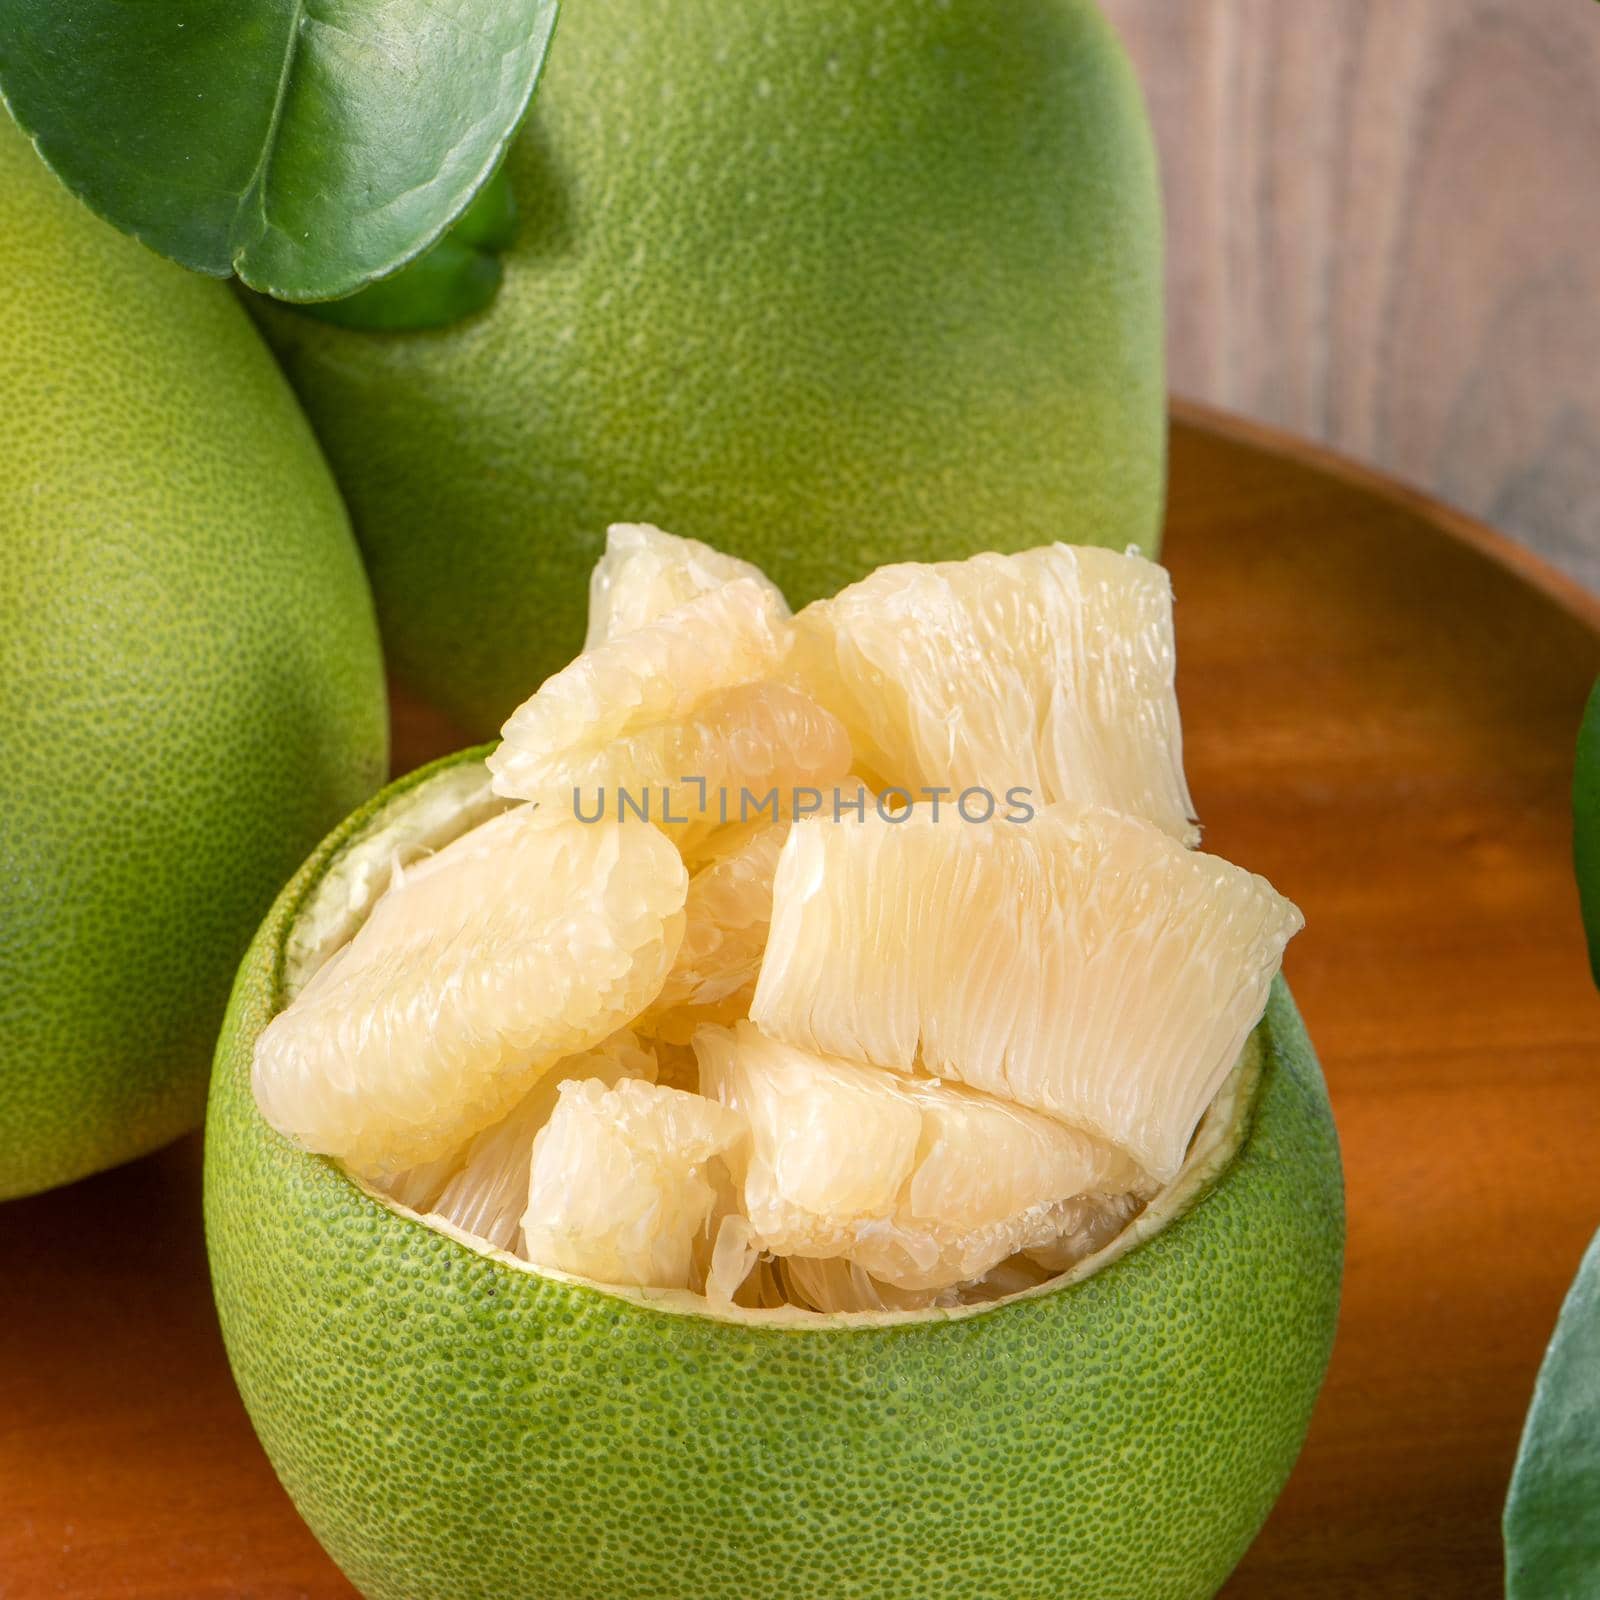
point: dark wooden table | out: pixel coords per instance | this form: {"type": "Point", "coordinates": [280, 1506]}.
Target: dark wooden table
{"type": "Point", "coordinates": [1380, 699]}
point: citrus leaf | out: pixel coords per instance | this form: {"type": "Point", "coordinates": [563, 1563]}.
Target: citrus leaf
{"type": "Point", "coordinates": [448, 281]}
{"type": "Point", "coordinates": [1586, 826]}
{"type": "Point", "coordinates": [1552, 1517]}
{"type": "Point", "coordinates": [310, 146]}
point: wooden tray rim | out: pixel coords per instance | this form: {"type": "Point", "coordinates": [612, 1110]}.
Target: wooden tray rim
{"type": "Point", "coordinates": [1516, 559]}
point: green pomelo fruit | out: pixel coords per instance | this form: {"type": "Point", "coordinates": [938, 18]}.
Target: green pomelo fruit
{"type": "Point", "coordinates": [822, 283]}
{"type": "Point", "coordinates": [191, 691]}
{"type": "Point", "coordinates": [454, 1423]}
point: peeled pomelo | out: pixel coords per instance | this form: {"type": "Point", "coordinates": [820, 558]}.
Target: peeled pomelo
{"type": "Point", "coordinates": [822, 283]}
{"type": "Point", "coordinates": [1051, 671]}
{"type": "Point", "coordinates": [524, 940]}
{"type": "Point", "coordinates": [191, 691]}
{"type": "Point", "coordinates": [1082, 963]}
{"type": "Point", "coordinates": [454, 1422]}
{"type": "Point", "coordinates": [922, 1184]}
{"type": "Point", "coordinates": [645, 573]}
{"type": "Point", "coordinates": [618, 1189]}
{"type": "Point", "coordinates": [482, 1188]}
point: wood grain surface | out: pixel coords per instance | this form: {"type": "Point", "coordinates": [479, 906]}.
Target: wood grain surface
{"type": "Point", "coordinates": [1379, 716]}
{"type": "Point", "coordinates": [1384, 232]}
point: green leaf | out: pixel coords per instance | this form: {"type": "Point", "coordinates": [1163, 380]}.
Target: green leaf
{"type": "Point", "coordinates": [1586, 826]}
{"type": "Point", "coordinates": [311, 146]}
{"type": "Point", "coordinates": [448, 281]}
{"type": "Point", "coordinates": [1552, 1518]}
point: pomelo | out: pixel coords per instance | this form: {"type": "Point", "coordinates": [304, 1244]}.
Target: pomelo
{"type": "Point", "coordinates": [826, 284]}
{"type": "Point", "coordinates": [454, 1422]}
{"type": "Point", "coordinates": [190, 685]}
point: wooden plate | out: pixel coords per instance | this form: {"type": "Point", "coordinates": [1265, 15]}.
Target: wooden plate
{"type": "Point", "coordinates": [1381, 699]}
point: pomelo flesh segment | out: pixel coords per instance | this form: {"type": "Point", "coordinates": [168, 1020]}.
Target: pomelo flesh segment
{"type": "Point", "coordinates": [835, 1284]}
{"type": "Point", "coordinates": [1083, 964]}
{"type": "Point", "coordinates": [621, 1185]}
{"type": "Point", "coordinates": [920, 1183]}
{"type": "Point", "coordinates": [521, 942]}
{"type": "Point", "coordinates": [1051, 670]}
{"type": "Point", "coordinates": [705, 776]}
{"type": "Point", "coordinates": [646, 573]}
{"type": "Point", "coordinates": [483, 1188]}
{"type": "Point", "coordinates": [725, 932]}
{"type": "Point", "coordinates": [735, 1254]}
{"type": "Point", "coordinates": [1087, 1225]}
{"type": "Point", "coordinates": [674, 721]}
{"type": "Point", "coordinates": [661, 673]}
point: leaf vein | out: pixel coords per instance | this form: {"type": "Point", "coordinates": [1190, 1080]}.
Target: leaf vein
{"type": "Point", "coordinates": [255, 192]}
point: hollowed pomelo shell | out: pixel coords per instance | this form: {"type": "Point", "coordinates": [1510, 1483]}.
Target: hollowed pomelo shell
{"type": "Point", "coordinates": [451, 1423]}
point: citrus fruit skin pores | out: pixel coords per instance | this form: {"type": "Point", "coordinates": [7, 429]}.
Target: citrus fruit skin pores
{"type": "Point", "coordinates": [825, 284]}
{"type": "Point", "coordinates": [191, 692]}
{"type": "Point", "coordinates": [453, 1424]}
